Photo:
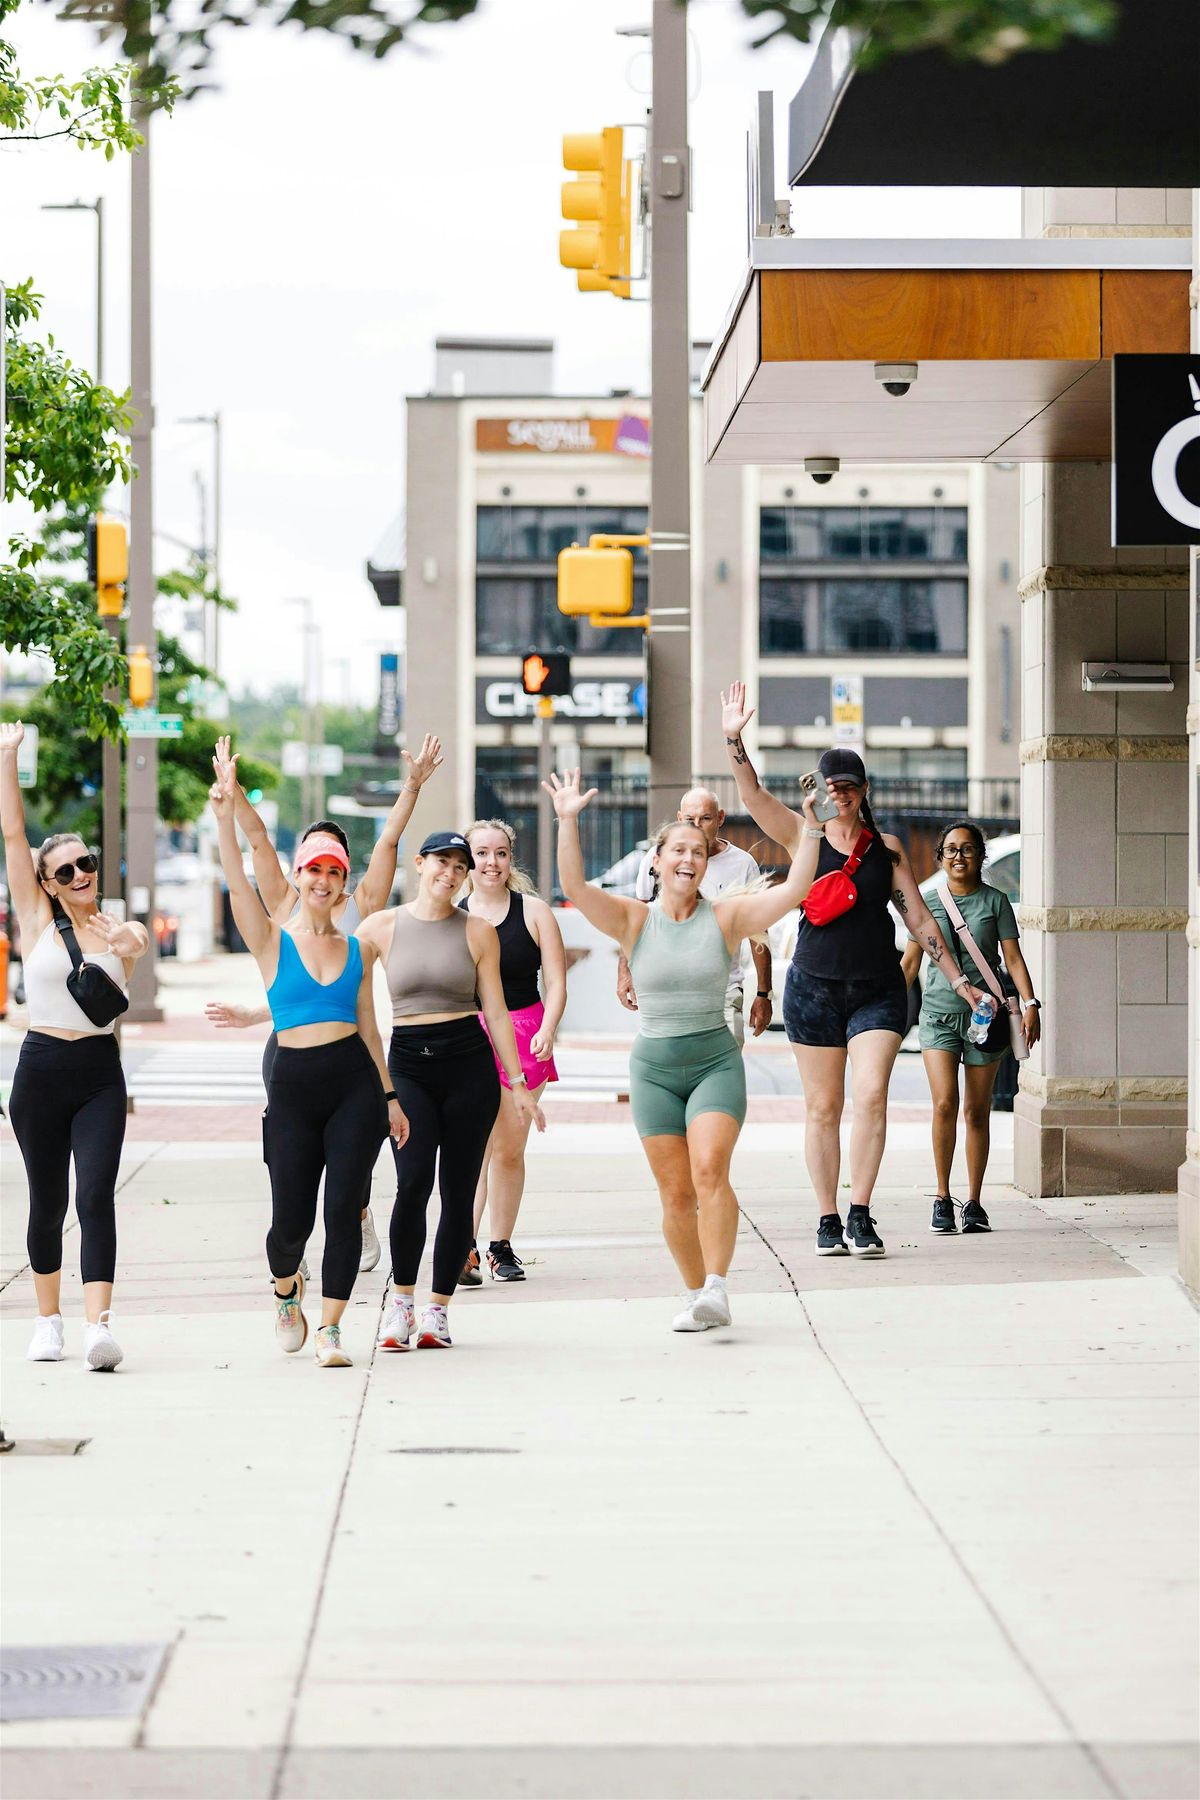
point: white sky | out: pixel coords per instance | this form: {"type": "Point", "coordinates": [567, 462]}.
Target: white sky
{"type": "Point", "coordinates": [322, 217]}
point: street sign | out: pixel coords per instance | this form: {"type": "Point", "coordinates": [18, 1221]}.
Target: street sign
{"type": "Point", "coordinates": [144, 721]}
{"type": "Point", "coordinates": [1156, 450]}
{"type": "Point", "coordinates": [27, 758]}
{"type": "Point", "coordinates": [299, 758]}
{"type": "Point", "coordinates": [846, 710]}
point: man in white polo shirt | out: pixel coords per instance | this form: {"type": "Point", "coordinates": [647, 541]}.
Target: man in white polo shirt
{"type": "Point", "coordinates": [727, 867]}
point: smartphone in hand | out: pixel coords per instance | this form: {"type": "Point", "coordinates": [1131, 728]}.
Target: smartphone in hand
{"type": "Point", "coordinates": [825, 806]}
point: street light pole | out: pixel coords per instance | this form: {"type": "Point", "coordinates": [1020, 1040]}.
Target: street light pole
{"type": "Point", "coordinates": [212, 632]}
{"type": "Point", "coordinates": [312, 786]}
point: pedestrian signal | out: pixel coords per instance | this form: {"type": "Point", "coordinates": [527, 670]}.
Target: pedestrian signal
{"type": "Point", "coordinates": [546, 675]}
{"type": "Point", "coordinates": [108, 564]}
{"type": "Point", "coordinates": [141, 677]}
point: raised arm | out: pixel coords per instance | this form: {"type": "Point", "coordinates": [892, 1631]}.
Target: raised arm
{"type": "Point", "coordinates": [376, 885]}
{"type": "Point", "coordinates": [273, 885]}
{"type": "Point", "coordinates": [29, 897]}
{"type": "Point", "coordinates": [920, 922]}
{"type": "Point", "coordinates": [770, 815]}
{"type": "Point", "coordinates": [485, 948]}
{"type": "Point", "coordinates": [249, 913]}
{"type": "Point", "coordinates": [744, 915]}
{"type": "Point", "coordinates": [610, 913]}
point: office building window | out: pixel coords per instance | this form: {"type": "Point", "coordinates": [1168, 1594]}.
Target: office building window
{"type": "Point", "coordinates": [872, 616]}
{"type": "Point", "coordinates": [816, 534]}
{"type": "Point", "coordinates": [536, 534]}
{"type": "Point", "coordinates": [516, 587]}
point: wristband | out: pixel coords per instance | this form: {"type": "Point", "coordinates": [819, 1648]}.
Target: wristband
{"type": "Point", "coordinates": [391, 1095]}
{"type": "Point", "coordinates": [518, 1080]}
{"type": "Point", "coordinates": [811, 831]}
{"type": "Point", "coordinates": [963, 981]}
{"type": "Point", "coordinates": [765, 994]}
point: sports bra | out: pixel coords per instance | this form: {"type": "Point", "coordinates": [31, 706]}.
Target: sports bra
{"type": "Point", "coordinates": [520, 956]}
{"type": "Point", "coordinates": [297, 998]}
{"type": "Point", "coordinates": [430, 968]}
{"type": "Point", "coordinates": [51, 1003]}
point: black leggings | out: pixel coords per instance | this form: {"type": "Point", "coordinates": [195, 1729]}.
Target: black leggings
{"type": "Point", "coordinates": [68, 1100]}
{"type": "Point", "coordinates": [445, 1079]}
{"type": "Point", "coordinates": [325, 1110]}
{"type": "Point", "coordinates": [270, 1051]}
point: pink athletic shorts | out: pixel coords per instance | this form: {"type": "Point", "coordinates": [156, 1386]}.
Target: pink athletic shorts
{"type": "Point", "coordinates": [526, 1023]}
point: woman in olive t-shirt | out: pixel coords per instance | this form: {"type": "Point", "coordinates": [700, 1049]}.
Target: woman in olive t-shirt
{"type": "Point", "coordinates": [945, 1017]}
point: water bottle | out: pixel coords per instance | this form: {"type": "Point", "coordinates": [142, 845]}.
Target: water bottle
{"type": "Point", "coordinates": [981, 1019]}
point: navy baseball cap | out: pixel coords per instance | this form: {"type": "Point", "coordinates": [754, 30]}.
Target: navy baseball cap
{"type": "Point", "coordinates": [840, 764]}
{"type": "Point", "coordinates": [445, 841]}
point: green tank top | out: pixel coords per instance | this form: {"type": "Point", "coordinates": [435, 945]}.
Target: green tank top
{"type": "Point", "coordinates": [681, 972]}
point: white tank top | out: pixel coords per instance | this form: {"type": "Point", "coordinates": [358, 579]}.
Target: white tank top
{"type": "Point", "coordinates": [51, 1005]}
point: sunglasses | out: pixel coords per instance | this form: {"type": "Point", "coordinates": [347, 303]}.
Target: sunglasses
{"type": "Point", "coordinates": [87, 865]}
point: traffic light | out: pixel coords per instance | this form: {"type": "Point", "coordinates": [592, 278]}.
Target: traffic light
{"type": "Point", "coordinates": [600, 246]}
{"type": "Point", "coordinates": [141, 677]}
{"type": "Point", "coordinates": [108, 564]}
{"type": "Point", "coordinates": [546, 673]}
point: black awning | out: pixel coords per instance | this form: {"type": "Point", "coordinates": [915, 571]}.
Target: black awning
{"type": "Point", "coordinates": [1123, 113]}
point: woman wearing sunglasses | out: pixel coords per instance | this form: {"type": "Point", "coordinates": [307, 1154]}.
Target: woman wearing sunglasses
{"type": "Point", "coordinates": [68, 1094]}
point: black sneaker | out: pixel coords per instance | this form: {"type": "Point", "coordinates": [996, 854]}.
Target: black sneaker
{"type": "Point", "coordinates": [830, 1241]}
{"type": "Point", "coordinates": [503, 1264]}
{"type": "Point", "coordinates": [472, 1275]}
{"type": "Point", "coordinates": [943, 1216]}
{"type": "Point", "coordinates": [974, 1218]}
{"type": "Point", "coordinates": [861, 1235]}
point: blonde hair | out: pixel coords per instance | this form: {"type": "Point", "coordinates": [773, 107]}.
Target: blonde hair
{"type": "Point", "coordinates": [758, 885]}
{"type": "Point", "coordinates": [518, 881]}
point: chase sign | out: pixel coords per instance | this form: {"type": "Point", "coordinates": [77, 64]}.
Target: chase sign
{"type": "Point", "coordinates": [1156, 450]}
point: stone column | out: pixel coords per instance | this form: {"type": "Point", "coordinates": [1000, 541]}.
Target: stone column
{"type": "Point", "coordinates": [1189, 1174]}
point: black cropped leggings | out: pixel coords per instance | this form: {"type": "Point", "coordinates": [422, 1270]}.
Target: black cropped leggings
{"type": "Point", "coordinates": [325, 1111]}
{"type": "Point", "coordinates": [445, 1079]}
{"type": "Point", "coordinates": [68, 1100]}
{"type": "Point", "coordinates": [270, 1051]}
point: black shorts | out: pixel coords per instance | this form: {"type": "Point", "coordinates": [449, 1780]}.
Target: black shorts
{"type": "Point", "coordinates": [826, 1014]}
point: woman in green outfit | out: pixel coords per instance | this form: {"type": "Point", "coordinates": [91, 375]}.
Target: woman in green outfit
{"type": "Point", "coordinates": [945, 1017]}
{"type": "Point", "coordinates": [687, 1079]}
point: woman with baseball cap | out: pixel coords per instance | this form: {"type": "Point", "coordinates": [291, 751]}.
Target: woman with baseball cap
{"type": "Point", "coordinates": [437, 960]}
{"type": "Point", "coordinates": [330, 1103]}
{"type": "Point", "coordinates": [845, 1000]}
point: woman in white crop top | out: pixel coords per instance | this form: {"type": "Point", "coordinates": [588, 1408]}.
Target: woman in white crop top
{"type": "Point", "coordinates": [68, 1094]}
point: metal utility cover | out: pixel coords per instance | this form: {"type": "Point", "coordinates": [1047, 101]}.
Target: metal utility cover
{"type": "Point", "coordinates": [78, 1681]}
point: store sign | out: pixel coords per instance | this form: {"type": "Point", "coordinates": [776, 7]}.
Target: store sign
{"type": "Point", "coordinates": [1156, 450]}
{"type": "Point", "coordinates": [846, 710]}
{"type": "Point", "coordinates": [627, 436]}
{"type": "Point", "coordinates": [387, 717]}
{"type": "Point", "coordinates": [614, 702]}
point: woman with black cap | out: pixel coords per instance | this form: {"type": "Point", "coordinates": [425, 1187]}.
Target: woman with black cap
{"type": "Point", "coordinates": [437, 960]}
{"type": "Point", "coordinates": [845, 999]}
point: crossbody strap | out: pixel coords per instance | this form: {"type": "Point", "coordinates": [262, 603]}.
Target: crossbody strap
{"type": "Point", "coordinates": [67, 932]}
{"type": "Point", "coordinates": [861, 845]}
{"type": "Point", "coordinates": [980, 961]}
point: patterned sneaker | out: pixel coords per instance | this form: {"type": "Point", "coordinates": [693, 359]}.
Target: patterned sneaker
{"type": "Point", "coordinates": [472, 1275]}
{"type": "Point", "coordinates": [505, 1266]}
{"type": "Point", "coordinates": [398, 1323]}
{"type": "Point", "coordinates": [46, 1344]}
{"type": "Point", "coordinates": [291, 1326]}
{"type": "Point", "coordinates": [330, 1354]}
{"type": "Point", "coordinates": [100, 1348]}
{"type": "Point", "coordinates": [830, 1241]}
{"type": "Point", "coordinates": [435, 1329]}
{"type": "Point", "coordinates": [943, 1216]}
{"type": "Point", "coordinates": [861, 1235]}
{"type": "Point", "coordinates": [974, 1218]}
{"type": "Point", "coordinates": [370, 1245]}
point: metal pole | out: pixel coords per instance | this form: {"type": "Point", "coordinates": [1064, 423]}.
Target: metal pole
{"type": "Point", "coordinates": [669, 646]}
{"type": "Point", "coordinates": [216, 544]}
{"type": "Point", "coordinates": [316, 722]}
{"type": "Point", "coordinates": [545, 852]}
{"type": "Point", "coordinates": [110, 749]}
{"type": "Point", "coordinates": [141, 797]}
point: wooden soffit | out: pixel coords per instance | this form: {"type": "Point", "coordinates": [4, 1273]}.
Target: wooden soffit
{"type": "Point", "coordinates": [1013, 359]}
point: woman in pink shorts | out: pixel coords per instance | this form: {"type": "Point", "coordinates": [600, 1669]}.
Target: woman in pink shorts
{"type": "Point", "coordinates": [530, 941]}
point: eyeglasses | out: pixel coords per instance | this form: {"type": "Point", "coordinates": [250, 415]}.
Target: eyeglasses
{"type": "Point", "coordinates": [961, 852]}
{"type": "Point", "coordinates": [87, 865]}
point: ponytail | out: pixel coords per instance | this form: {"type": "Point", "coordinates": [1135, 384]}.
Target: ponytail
{"type": "Point", "coordinates": [868, 819]}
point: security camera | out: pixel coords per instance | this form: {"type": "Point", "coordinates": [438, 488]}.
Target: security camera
{"type": "Point", "coordinates": [822, 468]}
{"type": "Point", "coordinates": [897, 378]}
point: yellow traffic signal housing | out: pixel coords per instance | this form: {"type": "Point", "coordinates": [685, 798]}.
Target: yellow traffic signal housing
{"type": "Point", "coordinates": [141, 677]}
{"type": "Point", "coordinates": [595, 581]}
{"type": "Point", "coordinates": [600, 246]}
{"type": "Point", "coordinates": [108, 564]}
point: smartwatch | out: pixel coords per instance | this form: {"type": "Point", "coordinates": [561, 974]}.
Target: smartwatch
{"type": "Point", "coordinates": [518, 1080]}
{"type": "Point", "coordinates": [765, 994]}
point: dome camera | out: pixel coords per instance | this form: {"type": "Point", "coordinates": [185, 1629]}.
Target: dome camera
{"type": "Point", "coordinates": [822, 468]}
{"type": "Point", "coordinates": [896, 377]}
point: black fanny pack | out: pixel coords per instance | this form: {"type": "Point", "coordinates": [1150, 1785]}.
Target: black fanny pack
{"type": "Point", "coordinates": [93, 990]}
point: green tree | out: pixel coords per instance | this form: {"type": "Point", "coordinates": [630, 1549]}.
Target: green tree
{"type": "Point", "coordinates": [96, 111]}
{"type": "Point", "coordinates": [987, 31]}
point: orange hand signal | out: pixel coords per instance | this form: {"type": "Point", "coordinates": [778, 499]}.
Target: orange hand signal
{"type": "Point", "coordinates": [535, 673]}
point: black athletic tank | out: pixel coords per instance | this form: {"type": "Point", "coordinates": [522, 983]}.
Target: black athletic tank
{"type": "Point", "coordinates": [861, 944]}
{"type": "Point", "coordinates": [520, 958]}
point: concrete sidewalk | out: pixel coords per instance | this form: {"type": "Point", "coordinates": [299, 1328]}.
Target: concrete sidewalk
{"type": "Point", "coordinates": [917, 1528]}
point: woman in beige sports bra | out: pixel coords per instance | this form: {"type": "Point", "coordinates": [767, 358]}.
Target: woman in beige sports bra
{"type": "Point", "coordinates": [437, 960]}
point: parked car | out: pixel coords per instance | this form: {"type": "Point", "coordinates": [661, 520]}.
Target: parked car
{"type": "Point", "coordinates": [622, 877]}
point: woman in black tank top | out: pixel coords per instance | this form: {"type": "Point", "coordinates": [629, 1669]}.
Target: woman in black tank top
{"type": "Point", "coordinates": [530, 943]}
{"type": "Point", "coordinates": [845, 1000]}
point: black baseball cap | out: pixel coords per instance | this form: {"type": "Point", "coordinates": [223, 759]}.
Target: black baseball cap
{"type": "Point", "coordinates": [840, 764]}
{"type": "Point", "coordinates": [445, 841]}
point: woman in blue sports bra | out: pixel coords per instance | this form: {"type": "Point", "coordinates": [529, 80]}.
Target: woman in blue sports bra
{"type": "Point", "coordinates": [330, 1102]}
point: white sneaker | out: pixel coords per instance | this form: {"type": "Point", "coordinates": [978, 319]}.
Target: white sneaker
{"type": "Point", "coordinates": [398, 1324]}
{"type": "Point", "coordinates": [711, 1305]}
{"type": "Point", "coordinates": [100, 1348]}
{"type": "Point", "coordinates": [370, 1245]}
{"type": "Point", "coordinates": [291, 1326]}
{"type": "Point", "coordinates": [435, 1329]}
{"type": "Point", "coordinates": [46, 1344]}
{"type": "Point", "coordinates": [330, 1354]}
{"type": "Point", "coordinates": [687, 1320]}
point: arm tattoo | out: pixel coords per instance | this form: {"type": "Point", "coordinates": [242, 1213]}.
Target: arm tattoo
{"type": "Point", "coordinates": [901, 902]}
{"type": "Point", "coordinates": [935, 947]}
{"type": "Point", "coordinates": [739, 752]}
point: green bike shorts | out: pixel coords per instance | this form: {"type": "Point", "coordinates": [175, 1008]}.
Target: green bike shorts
{"type": "Point", "coordinates": [948, 1031]}
{"type": "Point", "coordinates": [672, 1080]}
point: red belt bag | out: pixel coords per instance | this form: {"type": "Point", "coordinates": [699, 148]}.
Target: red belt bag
{"type": "Point", "coordinates": [835, 893]}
